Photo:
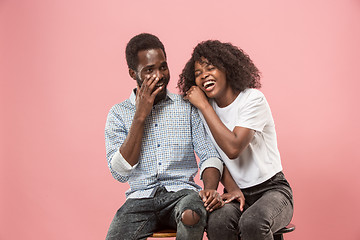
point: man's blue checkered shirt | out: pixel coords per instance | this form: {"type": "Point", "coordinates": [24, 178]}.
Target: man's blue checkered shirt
{"type": "Point", "coordinates": [173, 131]}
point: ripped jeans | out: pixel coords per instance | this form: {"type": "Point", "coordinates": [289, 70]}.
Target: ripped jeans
{"type": "Point", "coordinates": [268, 208]}
{"type": "Point", "coordinates": [139, 218]}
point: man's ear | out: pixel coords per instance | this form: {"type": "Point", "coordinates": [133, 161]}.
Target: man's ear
{"type": "Point", "coordinates": [132, 73]}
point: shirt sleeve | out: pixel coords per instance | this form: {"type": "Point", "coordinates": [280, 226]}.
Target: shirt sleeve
{"type": "Point", "coordinates": [254, 113]}
{"type": "Point", "coordinates": [115, 134]}
{"type": "Point", "coordinates": [203, 145]}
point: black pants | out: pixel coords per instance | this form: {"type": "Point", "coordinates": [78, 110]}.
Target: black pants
{"type": "Point", "coordinates": [139, 218]}
{"type": "Point", "coordinates": [268, 208]}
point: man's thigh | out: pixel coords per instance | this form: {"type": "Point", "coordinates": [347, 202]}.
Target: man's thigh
{"type": "Point", "coordinates": [191, 201]}
{"type": "Point", "coordinates": [190, 216]}
{"type": "Point", "coordinates": [175, 203]}
{"type": "Point", "coordinates": [134, 220]}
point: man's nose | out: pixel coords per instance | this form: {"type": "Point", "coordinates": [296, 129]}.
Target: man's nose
{"type": "Point", "coordinates": [159, 74]}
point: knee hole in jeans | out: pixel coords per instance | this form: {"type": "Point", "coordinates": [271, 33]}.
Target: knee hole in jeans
{"type": "Point", "coordinates": [190, 217]}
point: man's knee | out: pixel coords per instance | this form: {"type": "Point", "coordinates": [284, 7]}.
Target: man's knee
{"type": "Point", "coordinates": [190, 217]}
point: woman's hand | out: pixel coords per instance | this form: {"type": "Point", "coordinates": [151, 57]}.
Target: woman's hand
{"type": "Point", "coordinates": [234, 195]}
{"type": "Point", "coordinates": [197, 97]}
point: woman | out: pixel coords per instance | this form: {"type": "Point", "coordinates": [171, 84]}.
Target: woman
{"type": "Point", "coordinates": [221, 81]}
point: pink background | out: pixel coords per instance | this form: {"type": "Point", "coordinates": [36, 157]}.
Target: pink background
{"type": "Point", "coordinates": [62, 67]}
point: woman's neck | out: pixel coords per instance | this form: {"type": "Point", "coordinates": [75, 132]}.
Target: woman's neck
{"type": "Point", "coordinates": [227, 98]}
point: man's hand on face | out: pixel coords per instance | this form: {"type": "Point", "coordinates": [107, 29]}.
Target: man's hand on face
{"type": "Point", "coordinates": [212, 199]}
{"type": "Point", "coordinates": [145, 96]}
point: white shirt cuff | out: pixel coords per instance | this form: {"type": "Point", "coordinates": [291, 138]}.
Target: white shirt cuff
{"type": "Point", "coordinates": [120, 165]}
{"type": "Point", "coordinates": [212, 162]}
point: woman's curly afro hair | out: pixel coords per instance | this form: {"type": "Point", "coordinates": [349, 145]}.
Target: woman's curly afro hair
{"type": "Point", "coordinates": [241, 73]}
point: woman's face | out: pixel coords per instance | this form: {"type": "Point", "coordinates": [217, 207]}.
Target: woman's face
{"type": "Point", "coordinates": [210, 79]}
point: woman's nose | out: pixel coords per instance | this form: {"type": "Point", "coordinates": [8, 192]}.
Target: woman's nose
{"type": "Point", "coordinates": [204, 75]}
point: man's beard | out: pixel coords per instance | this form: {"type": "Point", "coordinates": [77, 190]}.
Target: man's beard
{"type": "Point", "coordinates": [161, 95]}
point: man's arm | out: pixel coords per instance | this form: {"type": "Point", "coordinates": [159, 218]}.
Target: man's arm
{"type": "Point", "coordinates": [211, 166]}
{"type": "Point", "coordinates": [211, 198]}
{"type": "Point", "coordinates": [145, 96]}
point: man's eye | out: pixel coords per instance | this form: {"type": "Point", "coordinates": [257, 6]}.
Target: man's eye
{"type": "Point", "coordinates": [163, 68]}
{"type": "Point", "coordinates": [148, 70]}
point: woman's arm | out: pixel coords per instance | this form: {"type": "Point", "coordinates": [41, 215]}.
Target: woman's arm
{"type": "Point", "coordinates": [233, 190]}
{"type": "Point", "coordinates": [231, 142]}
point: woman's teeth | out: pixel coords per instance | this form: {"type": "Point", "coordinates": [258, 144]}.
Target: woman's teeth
{"type": "Point", "coordinates": [208, 84]}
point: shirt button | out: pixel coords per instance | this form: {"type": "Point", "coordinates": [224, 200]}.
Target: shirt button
{"type": "Point", "coordinates": [159, 163]}
{"type": "Point", "coordinates": [156, 125]}
{"type": "Point", "coordinates": [158, 145]}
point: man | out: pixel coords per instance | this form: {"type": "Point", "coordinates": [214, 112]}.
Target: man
{"type": "Point", "coordinates": [150, 141]}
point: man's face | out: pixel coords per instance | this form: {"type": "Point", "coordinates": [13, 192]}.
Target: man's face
{"type": "Point", "coordinates": [153, 62]}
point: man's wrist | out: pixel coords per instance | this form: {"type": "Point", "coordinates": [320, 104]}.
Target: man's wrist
{"type": "Point", "coordinates": [211, 177]}
{"type": "Point", "coordinates": [139, 117]}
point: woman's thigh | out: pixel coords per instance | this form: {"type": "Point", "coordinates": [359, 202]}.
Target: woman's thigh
{"type": "Point", "coordinates": [223, 223]}
{"type": "Point", "coordinates": [271, 212]}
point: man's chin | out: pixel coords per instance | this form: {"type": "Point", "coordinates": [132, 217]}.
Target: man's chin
{"type": "Point", "coordinates": [160, 96]}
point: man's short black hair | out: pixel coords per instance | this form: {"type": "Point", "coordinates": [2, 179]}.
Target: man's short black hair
{"type": "Point", "coordinates": [143, 41]}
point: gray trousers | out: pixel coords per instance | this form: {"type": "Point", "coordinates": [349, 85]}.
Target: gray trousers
{"type": "Point", "coordinates": [268, 208]}
{"type": "Point", "coordinates": [139, 218]}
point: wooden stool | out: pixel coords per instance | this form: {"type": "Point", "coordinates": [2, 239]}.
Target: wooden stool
{"type": "Point", "coordinates": [164, 233]}
{"type": "Point", "coordinates": [279, 234]}
{"type": "Point", "coordinates": [172, 233]}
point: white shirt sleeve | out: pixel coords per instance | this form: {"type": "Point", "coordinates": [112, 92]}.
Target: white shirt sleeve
{"type": "Point", "coordinates": [254, 113]}
{"type": "Point", "coordinates": [120, 165]}
{"type": "Point", "coordinates": [212, 162]}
